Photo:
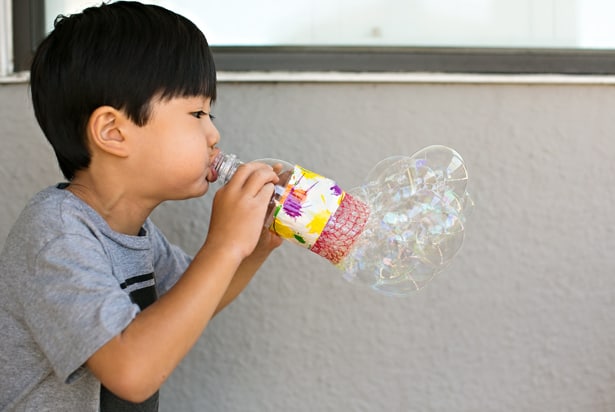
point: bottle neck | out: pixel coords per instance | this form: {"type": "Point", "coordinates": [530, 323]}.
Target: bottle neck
{"type": "Point", "coordinates": [225, 165]}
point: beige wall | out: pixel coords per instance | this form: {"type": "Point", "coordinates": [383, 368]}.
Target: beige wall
{"type": "Point", "coordinates": [522, 321]}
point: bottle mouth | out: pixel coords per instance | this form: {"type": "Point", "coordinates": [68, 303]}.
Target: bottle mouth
{"type": "Point", "coordinates": [223, 167]}
{"type": "Point", "coordinates": [214, 166]}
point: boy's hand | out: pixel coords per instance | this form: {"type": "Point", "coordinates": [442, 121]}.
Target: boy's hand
{"type": "Point", "coordinates": [266, 243]}
{"type": "Point", "coordinates": [238, 211]}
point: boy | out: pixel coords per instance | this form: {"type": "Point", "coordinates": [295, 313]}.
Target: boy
{"type": "Point", "coordinates": [96, 307]}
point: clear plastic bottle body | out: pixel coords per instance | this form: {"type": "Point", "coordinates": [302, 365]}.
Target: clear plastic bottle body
{"type": "Point", "coordinates": [307, 209]}
{"type": "Point", "coordinates": [226, 164]}
{"type": "Point", "coordinates": [394, 233]}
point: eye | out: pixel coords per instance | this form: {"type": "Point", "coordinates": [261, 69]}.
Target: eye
{"type": "Point", "coordinates": [198, 114]}
{"type": "Point", "coordinates": [201, 113]}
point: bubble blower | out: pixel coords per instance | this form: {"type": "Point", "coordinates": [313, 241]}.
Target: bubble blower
{"type": "Point", "coordinates": [393, 233]}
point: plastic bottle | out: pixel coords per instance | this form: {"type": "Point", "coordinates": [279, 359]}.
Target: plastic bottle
{"type": "Point", "coordinates": [393, 233]}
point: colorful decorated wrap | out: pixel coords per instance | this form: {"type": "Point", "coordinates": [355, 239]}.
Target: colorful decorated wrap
{"type": "Point", "coordinates": [316, 213]}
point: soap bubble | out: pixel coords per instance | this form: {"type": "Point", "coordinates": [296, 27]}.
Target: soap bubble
{"type": "Point", "coordinates": [418, 208]}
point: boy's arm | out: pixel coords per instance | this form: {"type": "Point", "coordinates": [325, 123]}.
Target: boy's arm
{"type": "Point", "coordinates": [267, 242]}
{"type": "Point", "coordinates": [134, 364]}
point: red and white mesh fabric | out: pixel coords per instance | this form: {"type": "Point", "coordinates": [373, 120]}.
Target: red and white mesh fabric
{"type": "Point", "coordinates": [342, 230]}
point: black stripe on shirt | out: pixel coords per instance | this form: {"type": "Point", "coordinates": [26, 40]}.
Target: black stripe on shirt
{"type": "Point", "coordinates": [143, 296]}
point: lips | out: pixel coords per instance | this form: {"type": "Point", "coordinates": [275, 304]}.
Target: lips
{"type": "Point", "coordinates": [213, 175]}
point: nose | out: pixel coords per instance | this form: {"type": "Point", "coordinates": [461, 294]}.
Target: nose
{"type": "Point", "coordinates": [213, 136]}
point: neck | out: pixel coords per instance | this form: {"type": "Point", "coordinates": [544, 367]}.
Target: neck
{"type": "Point", "coordinates": [114, 203]}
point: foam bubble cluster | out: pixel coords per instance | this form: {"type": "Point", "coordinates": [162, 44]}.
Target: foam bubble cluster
{"type": "Point", "coordinates": [418, 207]}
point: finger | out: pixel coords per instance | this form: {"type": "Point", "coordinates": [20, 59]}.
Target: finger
{"type": "Point", "coordinates": [260, 179]}
{"type": "Point", "coordinates": [265, 192]}
{"type": "Point", "coordinates": [245, 170]}
{"type": "Point", "coordinates": [277, 168]}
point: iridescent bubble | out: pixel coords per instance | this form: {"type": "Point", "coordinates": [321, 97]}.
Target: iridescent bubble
{"type": "Point", "coordinates": [416, 226]}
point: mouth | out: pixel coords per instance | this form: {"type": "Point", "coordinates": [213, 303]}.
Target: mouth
{"type": "Point", "coordinates": [212, 175]}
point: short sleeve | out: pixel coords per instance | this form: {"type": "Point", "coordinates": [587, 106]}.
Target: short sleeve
{"type": "Point", "coordinates": [171, 261]}
{"type": "Point", "coordinates": [72, 302]}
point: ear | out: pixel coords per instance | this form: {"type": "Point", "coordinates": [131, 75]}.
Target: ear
{"type": "Point", "coordinates": [105, 132]}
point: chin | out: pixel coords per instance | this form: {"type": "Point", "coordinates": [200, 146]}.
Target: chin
{"type": "Point", "coordinates": [196, 189]}
{"type": "Point", "coordinates": [200, 188]}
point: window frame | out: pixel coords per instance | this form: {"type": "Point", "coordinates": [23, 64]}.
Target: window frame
{"type": "Point", "coordinates": [415, 59]}
{"type": "Point", "coordinates": [29, 29]}
{"type": "Point", "coordinates": [28, 18]}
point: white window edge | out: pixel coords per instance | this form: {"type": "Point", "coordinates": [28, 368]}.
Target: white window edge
{"type": "Point", "coordinates": [411, 77]}
{"type": "Point", "coordinates": [15, 78]}
{"type": "Point", "coordinates": [6, 38]}
{"type": "Point", "coordinates": [418, 78]}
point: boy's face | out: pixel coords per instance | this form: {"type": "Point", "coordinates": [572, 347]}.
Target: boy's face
{"type": "Point", "coordinates": [175, 148]}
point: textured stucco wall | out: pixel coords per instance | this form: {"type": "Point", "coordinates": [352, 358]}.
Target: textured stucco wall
{"type": "Point", "coordinates": [522, 321]}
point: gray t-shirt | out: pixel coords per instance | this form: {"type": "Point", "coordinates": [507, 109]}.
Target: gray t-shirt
{"type": "Point", "coordinates": [68, 284]}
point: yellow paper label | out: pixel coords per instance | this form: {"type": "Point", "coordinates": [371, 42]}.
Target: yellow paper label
{"type": "Point", "coordinates": [306, 206]}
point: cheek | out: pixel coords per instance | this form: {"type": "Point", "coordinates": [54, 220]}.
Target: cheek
{"type": "Point", "coordinates": [190, 154]}
{"type": "Point", "coordinates": [179, 149]}
{"type": "Point", "coordinates": [186, 143]}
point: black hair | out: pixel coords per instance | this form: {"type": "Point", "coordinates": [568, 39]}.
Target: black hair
{"type": "Point", "coordinates": [121, 54]}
